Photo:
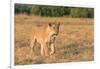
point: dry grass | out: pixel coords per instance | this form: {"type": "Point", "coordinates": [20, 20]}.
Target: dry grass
{"type": "Point", "coordinates": [74, 43]}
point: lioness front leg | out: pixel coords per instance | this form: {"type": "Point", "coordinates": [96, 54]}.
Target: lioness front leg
{"type": "Point", "coordinates": [52, 47]}
{"type": "Point", "coordinates": [44, 50]}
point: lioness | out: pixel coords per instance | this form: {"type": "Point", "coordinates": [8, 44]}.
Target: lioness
{"type": "Point", "coordinates": [46, 37]}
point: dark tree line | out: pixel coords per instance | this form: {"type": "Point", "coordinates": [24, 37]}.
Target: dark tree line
{"type": "Point", "coordinates": [54, 11]}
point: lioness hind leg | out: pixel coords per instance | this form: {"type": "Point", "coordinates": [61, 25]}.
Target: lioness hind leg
{"type": "Point", "coordinates": [32, 44]}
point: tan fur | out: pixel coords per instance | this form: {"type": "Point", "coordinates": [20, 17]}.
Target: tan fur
{"type": "Point", "coordinates": [45, 37]}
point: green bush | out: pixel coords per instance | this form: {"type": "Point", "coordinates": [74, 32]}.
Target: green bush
{"type": "Point", "coordinates": [34, 10]}
{"type": "Point", "coordinates": [54, 11]}
{"type": "Point", "coordinates": [78, 12]}
{"type": "Point", "coordinates": [91, 13]}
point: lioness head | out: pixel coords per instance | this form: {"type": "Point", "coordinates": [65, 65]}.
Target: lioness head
{"type": "Point", "coordinates": [54, 28]}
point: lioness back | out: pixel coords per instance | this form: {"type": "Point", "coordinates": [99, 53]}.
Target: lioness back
{"type": "Point", "coordinates": [39, 34]}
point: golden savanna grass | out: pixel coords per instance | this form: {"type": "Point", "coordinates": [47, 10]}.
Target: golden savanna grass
{"type": "Point", "coordinates": [75, 41]}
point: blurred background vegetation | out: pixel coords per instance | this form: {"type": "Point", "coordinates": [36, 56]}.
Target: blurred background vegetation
{"type": "Point", "coordinates": [54, 11]}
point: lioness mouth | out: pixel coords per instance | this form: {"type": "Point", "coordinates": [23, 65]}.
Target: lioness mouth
{"type": "Point", "coordinates": [55, 34]}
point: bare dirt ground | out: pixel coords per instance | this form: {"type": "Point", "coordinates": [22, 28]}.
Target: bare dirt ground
{"type": "Point", "coordinates": [75, 41]}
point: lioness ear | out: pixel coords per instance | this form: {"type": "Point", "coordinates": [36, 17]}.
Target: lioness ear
{"type": "Point", "coordinates": [50, 24]}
